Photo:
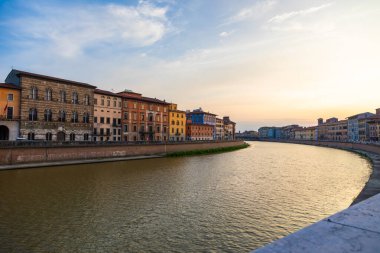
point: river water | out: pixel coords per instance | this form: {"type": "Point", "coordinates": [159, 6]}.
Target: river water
{"type": "Point", "coordinates": [230, 202]}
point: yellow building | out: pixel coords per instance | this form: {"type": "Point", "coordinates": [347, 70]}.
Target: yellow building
{"type": "Point", "coordinates": [177, 124]}
{"type": "Point", "coordinates": [9, 111]}
{"type": "Point", "coordinates": [307, 134]}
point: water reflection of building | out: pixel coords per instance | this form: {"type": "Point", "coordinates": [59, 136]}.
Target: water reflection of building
{"type": "Point", "coordinates": [53, 108]}
{"type": "Point", "coordinates": [9, 111]}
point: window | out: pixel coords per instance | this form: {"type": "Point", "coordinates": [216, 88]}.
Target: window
{"type": "Point", "coordinates": [108, 120]}
{"type": "Point", "coordinates": [108, 103]}
{"type": "Point", "coordinates": [49, 136]}
{"type": "Point", "coordinates": [34, 93]}
{"type": "Point", "coordinates": [172, 130]}
{"type": "Point", "coordinates": [85, 137]}
{"type": "Point", "coordinates": [158, 129]}
{"type": "Point", "coordinates": [74, 117]}
{"type": "Point", "coordinates": [48, 115]}
{"type": "Point", "coordinates": [164, 129]}
{"type": "Point", "coordinates": [95, 101]}
{"type": "Point", "coordinates": [75, 98]}
{"type": "Point", "coordinates": [101, 131]}
{"type": "Point", "coordinates": [102, 120]}
{"type": "Point", "coordinates": [164, 109]}
{"type": "Point", "coordinates": [119, 122]}
{"type": "Point", "coordinates": [86, 100]}
{"type": "Point", "coordinates": [10, 113]}
{"type": "Point", "coordinates": [102, 102]}
{"type": "Point", "coordinates": [119, 104]}
{"type": "Point", "coordinates": [108, 131]}
{"type": "Point", "coordinates": [95, 119]}
{"type": "Point", "coordinates": [114, 103]}
{"type": "Point", "coordinates": [134, 116]}
{"type": "Point", "coordinates": [48, 94]}
{"type": "Point", "coordinates": [72, 137]}
{"type": "Point", "coordinates": [30, 136]}
{"type": "Point", "coordinates": [118, 131]}
{"type": "Point", "coordinates": [142, 106]}
{"type": "Point", "coordinates": [32, 114]}
{"type": "Point", "coordinates": [95, 131]}
{"type": "Point", "coordinates": [125, 115]}
{"type": "Point", "coordinates": [61, 116]}
{"type": "Point", "coordinates": [177, 123]}
{"type": "Point", "coordinates": [62, 96]}
{"type": "Point", "coordinates": [10, 97]}
{"type": "Point", "coordinates": [142, 116]}
{"type": "Point", "coordinates": [142, 128]}
{"type": "Point", "coordinates": [114, 131]}
{"type": "Point", "coordinates": [151, 107]}
{"type": "Point", "coordinates": [134, 105]}
{"type": "Point", "coordinates": [134, 128]}
{"type": "Point", "coordinates": [86, 117]}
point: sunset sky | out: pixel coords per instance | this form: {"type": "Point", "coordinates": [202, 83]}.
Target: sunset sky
{"type": "Point", "coordinates": [267, 62]}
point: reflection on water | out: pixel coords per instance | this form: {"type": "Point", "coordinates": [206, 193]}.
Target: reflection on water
{"type": "Point", "coordinates": [232, 202]}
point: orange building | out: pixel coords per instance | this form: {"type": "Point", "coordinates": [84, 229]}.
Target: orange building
{"type": "Point", "coordinates": [198, 132]}
{"type": "Point", "coordinates": [143, 118]}
{"type": "Point", "coordinates": [9, 111]}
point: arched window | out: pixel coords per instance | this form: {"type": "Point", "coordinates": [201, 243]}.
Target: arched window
{"type": "Point", "coordinates": [30, 136]}
{"type": "Point", "coordinates": [49, 136]}
{"type": "Point", "coordinates": [86, 118]}
{"type": "Point", "coordinates": [74, 117]}
{"type": "Point", "coordinates": [34, 93]}
{"type": "Point", "coordinates": [32, 114]}
{"type": "Point", "coordinates": [75, 98]}
{"type": "Point", "coordinates": [173, 122]}
{"type": "Point", "coordinates": [48, 115]}
{"type": "Point", "coordinates": [48, 95]}
{"type": "Point", "coordinates": [177, 123]}
{"type": "Point", "coordinates": [72, 137]}
{"type": "Point", "coordinates": [62, 96]}
{"type": "Point", "coordinates": [86, 100]}
{"type": "Point", "coordinates": [61, 116]}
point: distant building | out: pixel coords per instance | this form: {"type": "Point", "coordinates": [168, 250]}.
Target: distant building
{"type": "Point", "coordinates": [374, 126]}
{"type": "Point", "coordinates": [219, 128]}
{"type": "Point", "coordinates": [247, 135]}
{"type": "Point", "coordinates": [229, 128]}
{"type": "Point", "coordinates": [358, 129]}
{"type": "Point", "coordinates": [307, 133]}
{"type": "Point", "coordinates": [9, 111]}
{"type": "Point", "coordinates": [177, 123]}
{"type": "Point", "coordinates": [333, 130]}
{"type": "Point", "coordinates": [107, 116]}
{"type": "Point", "coordinates": [270, 132]}
{"type": "Point", "coordinates": [288, 132]}
{"type": "Point", "coordinates": [53, 109]}
{"type": "Point", "coordinates": [198, 116]}
{"type": "Point", "coordinates": [144, 118]}
{"type": "Point", "coordinates": [199, 132]}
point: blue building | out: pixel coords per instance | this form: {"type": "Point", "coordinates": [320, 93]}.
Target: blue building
{"type": "Point", "coordinates": [198, 116]}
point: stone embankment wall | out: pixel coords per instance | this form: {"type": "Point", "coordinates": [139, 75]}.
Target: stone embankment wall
{"type": "Point", "coordinates": [20, 155]}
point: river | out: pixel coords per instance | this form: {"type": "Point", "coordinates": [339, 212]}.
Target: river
{"type": "Point", "coordinates": [229, 202]}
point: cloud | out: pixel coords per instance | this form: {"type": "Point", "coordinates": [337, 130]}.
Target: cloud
{"type": "Point", "coordinates": [70, 30]}
{"type": "Point", "coordinates": [225, 34]}
{"type": "Point", "coordinates": [285, 16]}
{"type": "Point", "coordinates": [256, 10]}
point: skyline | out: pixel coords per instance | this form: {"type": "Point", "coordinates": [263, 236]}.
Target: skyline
{"type": "Point", "coordinates": [259, 62]}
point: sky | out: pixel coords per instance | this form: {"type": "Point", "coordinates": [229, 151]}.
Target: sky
{"type": "Point", "coordinates": [261, 62]}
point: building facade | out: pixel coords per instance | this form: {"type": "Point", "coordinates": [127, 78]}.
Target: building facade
{"type": "Point", "coordinates": [219, 129]}
{"type": "Point", "coordinates": [53, 109]}
{"type": "Point", "coordinates": [107, 116]}
{"type": "Point", "coordinates": [307, 133]}
{"type": "Point", "coordinates": [198, 116]}
{"type": "Point", "coordinates": [177, 123]}
{"type": "Point", "coordinates": [143, 118]}
{"type": "Point", "coordinates": [9, 111]}
{"type": "Point", "coordinates": [357, 126]}
{"type": "Point", "coordinates": [199, 132]}
{"type": "Point", "coordinates": [229, 128]}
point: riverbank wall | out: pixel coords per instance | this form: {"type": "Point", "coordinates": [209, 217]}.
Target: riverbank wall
{"type": "Point", "coordinates": [45, 154]}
